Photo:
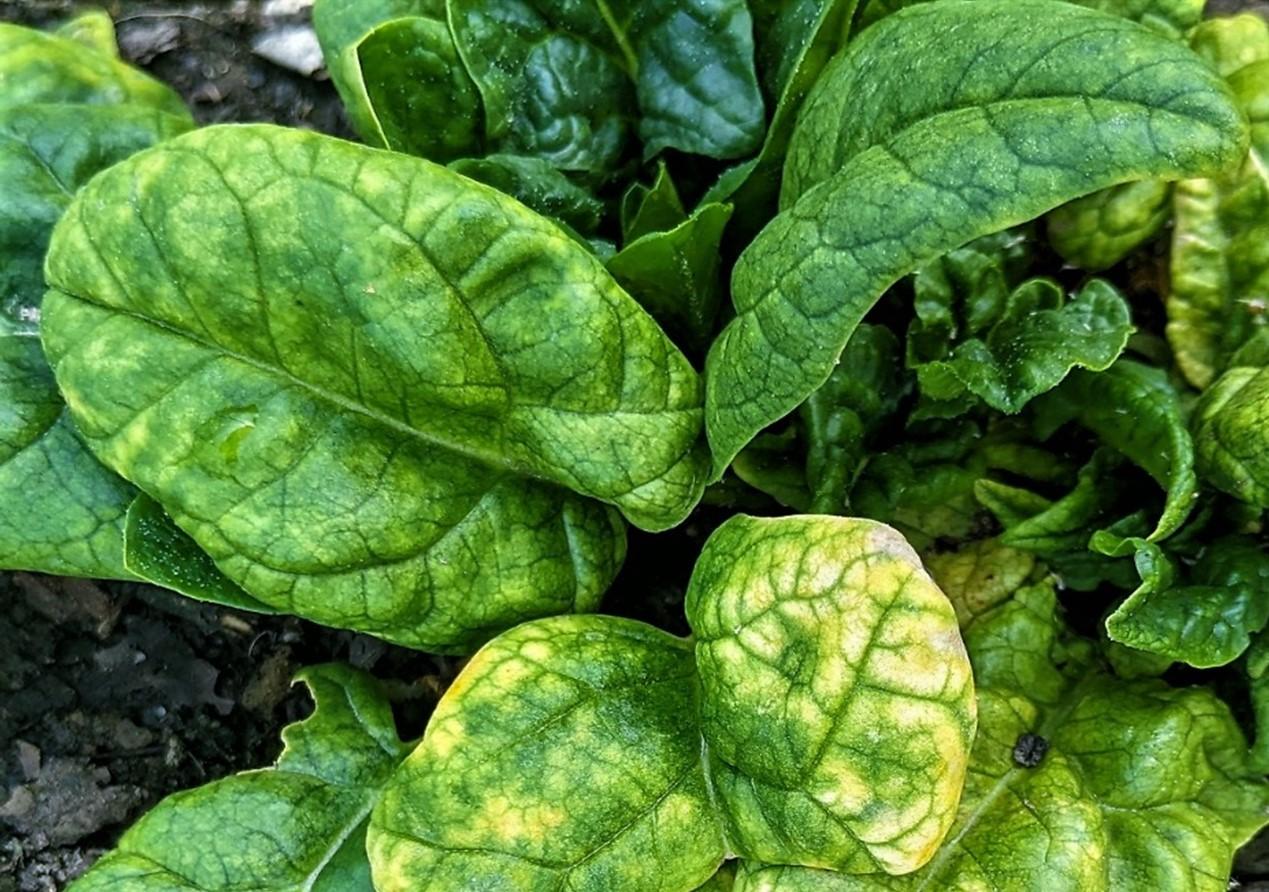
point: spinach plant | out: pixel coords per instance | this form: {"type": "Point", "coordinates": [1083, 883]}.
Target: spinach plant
{"type": "Point", "coordinates": [985, 496]}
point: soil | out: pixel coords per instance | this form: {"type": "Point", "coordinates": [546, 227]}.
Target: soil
{"type": "Point", "coordinates": [114, 695]}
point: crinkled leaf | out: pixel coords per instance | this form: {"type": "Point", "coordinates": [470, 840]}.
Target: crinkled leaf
{"type": "Point", "coordinates": [675, 274]}
{"type": "Point", "coordinates": [396, 68]}
{"type": "Point", "coordinates": [261, 295]}
{"type": "Point", "coordinates": [825, 640]}
{"type": "Point", "coordinates": [1037, 340]}
{"type": "Point", "coordinates": [1207, 621]}
{"type": "Point", "coordinates": [571, 82]}
{"type": "Point", "coordinates": [1141, 786]}
{"type": "Point", "coordinates": [1099, 230]}
{"type": "Point", "coordinates": [298, 825]}
{"type": "Point", "coordinates": [944, 122]}
{"type": "Point", "coordinates": [538, 185]}
{"type": "Point", "coordinates": [1220, 248]}
{"type": "Point", "coordinates": [1170, 17]}
{"type": "Point", "coordinates": [1229, 43]}
{"type": "Point", "coordinates": [1135, 410]}
{"type": "Point", "coordinates": [39, 67]}
{"type": "Point", "coordinates": [565, 756]}
{"type": "Point", "coordinates": [47, 152]}
{"type": "Point", "coordinates": [1231, 435]}
{"type": "Point", "coordinates": [979, 575]}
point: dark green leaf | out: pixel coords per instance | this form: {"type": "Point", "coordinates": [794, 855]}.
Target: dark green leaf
{"type": "Point", "coordinates": [538, 185]}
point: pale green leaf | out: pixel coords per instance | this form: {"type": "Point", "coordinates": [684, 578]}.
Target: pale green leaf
{"type": "Point", "coordinates": [945, 122]}
{"type": "Point", "coordinates": [262, 295]}
{"type": "Point", "coordinates": [1099, 230]}
{"type": "Point", "coordinates": [1231, 435]}
{"type": "Point", "coordinates": [299, 826]}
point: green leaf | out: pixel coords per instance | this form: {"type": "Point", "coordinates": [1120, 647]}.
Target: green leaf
{"type": "Point", "coordinates": [775, 464]}
{"type": "Point", "coordinates": [675, 274]}
{"type": "Point", "coordinates": [842, 415]}
{"type": "Point", "coordinates": [1220, 268]}
{"type": "Point", "coordinates": [596, 753]}
{"type": "Point", "coordinates": [298, 825]}
{"type": "Point", "coordinates": [47, 152]}
{"type": "Point", "coordinates": [94, 29]}
{"type": "Point", "coordinates": [39, 67]}
{"type": "Point", "coordinates": [1209, 620]}
{"type": "Point", "coordinates": [277, 404]}
{"type": "Point", "coordinates": [1037, 340]}
{"type": "Point", "coordinates": [655, 208]}
{"type": "Point", "coordinates": [538, 185]}
{"type": "Point", "coordinates": [824, 639]}
{"type": "Point", "coordinates": [569, 83]}
{"type": "Point", "coordinates": [1099, 230]}
{"type": "Point", "coordinates": [943, 123]}
{"type": "Point", "coordinates": [1231, 435]}
{"type": "Point", "coordinates": [979, 576]}
{"type": "Point", "coordinates": [157, 551]}
{"type": "Point", "coordinates": [804, 36]}
{"type": "Point", "coordinates": [1135, 410]}
{"type": "Point", "coordinates": [1142, 786]}
{"type": "Point", "coordinates": [1229, 43]}
{"type": "Point", "coordinates": [398, 71]}
{"type": "Point", "coordinates": [565, 756]}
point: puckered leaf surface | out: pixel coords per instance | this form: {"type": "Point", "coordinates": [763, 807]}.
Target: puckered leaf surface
{"type": "Point", "coordinates": [362, 382]}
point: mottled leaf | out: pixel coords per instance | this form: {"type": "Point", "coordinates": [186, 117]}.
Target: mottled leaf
{"type": "Point", "coordinates": [824, 639]}
{"type": "Point", "coordinates": [942, 123]}
{"type": "Point", "coordinates": [400, 76]}
{"type": "Point", "coordinates": [1231, 435]}
{"type": "Point", "coordinates": [1099, 230]}
{"type": "Point", "coordinates": [1220, 248]}
{"type": "Point", "coordinates": [1229, 43]}
{"type": "Point", "coordinates": [60, 510]}
{"type": "Point", "coordinates": [277, 404]}
{"type": "Point", "coordinates": [300, 825]}
{"type": "Point", "coordinates": [1079, 781]}
{"type": "Point", "coordinates": [979, 575]}
{"type": "Point", "coordinates": [565, 756]}
{"type": "Point", "coordinates": [39, 67]}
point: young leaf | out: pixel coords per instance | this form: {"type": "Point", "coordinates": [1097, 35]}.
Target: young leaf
{"type": "Point", "coordinates": [94, 29]}
{"type": "Point", "coordinates": [298, 825]}
{"type": "Point", "coordinates": [942, 123]}
{"type": "Point", "coordinates": [40, 67]}
{"type": "Point", "coordinates": [675, 275]}
{"type": "Point", "coordinates": [1099, 230]}
{"type": "Point", "coordinates": [538, 185]}
{"type": "Point", "coordinates": [400, 76]}
{"type": "Point", "coordinates": [277, 403]}
{"type": "Point", "coordinates": [565, 756]}
{"type": "Point", "coordinates": [1079, 781]}
{"type": "Point", "coordinates": [826, 640]}
{"type": "Point", "coordinates": [1209, 620]}
{"type": "Point", "coordinates": [1231, 435]}
{"type": "Point", "coordinates": [47, 152]}
{"type": "Point", "coordinates": [655, 208]}
{"type": "Point", "coordinates": [1229, 43]}
{"type": "Point", "coordinates": [1220, 268]}
{"type": "Point", "coordinates": [569, 83]}
{"type": "Point", "coordinates": [1135, 410]}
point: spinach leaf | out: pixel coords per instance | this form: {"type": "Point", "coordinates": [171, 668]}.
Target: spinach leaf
{"type": "Point", "coordinates": [655, 208]}
{"type": "Point", "coordinates": [1207, 621]}
{"type": "Point", "coordinates": [1099, 230]}
{"type": "Point", "coordinates": [1231, 435]}
{"type": "Point", "coordinates": [94, 29]}
{"type": "Point", "coordinates": [1231, 42]}
{"type": "Point", "coordinates": [995, 119]}
{"type": "Point", "coordinates": [367, 407]}
{"type": "Point", "coordinates": [570, 82]}
{"type": "Point", "coordinates": [1220, 267]}
{"type": "Point", "coordinates": [398, 71]}
{"type": "Point", "coordinates": [538, 185]}
{"type": "Point", "coordinates": [1077, 807]}
{"type": "Point", "coordinates": [298, 825]}
{"type": "Point", "coordinates": [599, 753]}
